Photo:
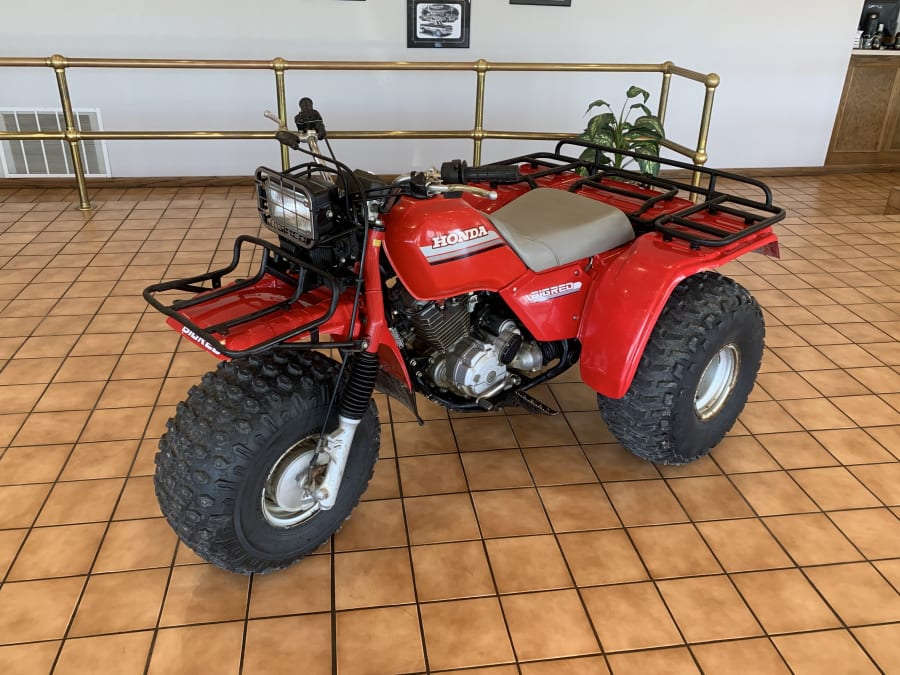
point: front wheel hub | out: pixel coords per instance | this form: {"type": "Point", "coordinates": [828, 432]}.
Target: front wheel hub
{"type": "Point", "coordinates": [717, 382]}
{"type": "Point", "coordinates": [288, 496]}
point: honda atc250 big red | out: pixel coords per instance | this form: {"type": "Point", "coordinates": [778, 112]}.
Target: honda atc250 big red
{"type": "Point", "coordinates": [469, 286]}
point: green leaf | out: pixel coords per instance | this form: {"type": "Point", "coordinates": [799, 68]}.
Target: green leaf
{"type": "Point", "coordinates": [637, 91]}
{"type": "Point", "coordinates": [648, 167]}
{"type": "Point", "coordinates": [649, 125]}
{"type": "Point", "coordinates": [599, 124]}
{"type": "Point", "coordinates": [599, 103]}
{"type": "Point", "coordinates": [595, 157]}
{"type": "Point", "coordinates": [643, 108]}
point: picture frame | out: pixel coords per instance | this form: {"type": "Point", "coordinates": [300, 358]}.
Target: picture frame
{"type": "Point", "coordinates": [438, 24]}
{"type": "Point", "coordinates": [551, 3]}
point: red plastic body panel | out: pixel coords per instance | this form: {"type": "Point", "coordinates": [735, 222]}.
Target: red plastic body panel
{"type": "Point", "coordinates": [445, 247]}
{"type": "Point", "coordinates": [550, 303]}
{"type": "Point", "coordinates": [628, 293]}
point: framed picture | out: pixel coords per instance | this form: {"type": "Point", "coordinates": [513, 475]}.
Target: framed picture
{"type": "Point", "coordinates": [437, 24]}
{"type": "Point", "coordinates": [552, 3]}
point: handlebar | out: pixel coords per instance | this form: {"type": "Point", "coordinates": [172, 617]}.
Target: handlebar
{"type": "Point", "coordinates": [457, 171]}
{"type": "Point", "coordinates": [437, 188]}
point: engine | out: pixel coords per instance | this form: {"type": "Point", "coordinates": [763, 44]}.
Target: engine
{"type": "Point", "coordinates": [472, 349]}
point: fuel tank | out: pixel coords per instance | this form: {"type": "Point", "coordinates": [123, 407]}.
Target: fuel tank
{"type": "Point", "coordinates": [442, 247]}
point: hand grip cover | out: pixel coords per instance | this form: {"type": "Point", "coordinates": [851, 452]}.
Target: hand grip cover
{"type": "Point", "coordinates": [457, 171]}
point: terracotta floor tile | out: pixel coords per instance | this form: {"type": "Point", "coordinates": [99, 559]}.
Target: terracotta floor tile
{"type": "Point", "coordinates": [19, 398]}
{"type": "Point", "coordinates": [559, 465]}
{"type": "Point", "coordinates": [198, 650]}
{"type": "Point", "coordinates": [465, 633]}
{"type": "Point", "coordinates": [876, 532]}
{"type": "Point", "coordinates": [883, 645]}
{"type": "Point", "coordinates": [742, 454]}
{"type": "Point", "coordinates": [10, 542]}
{"type": "Point", "coordinates": [540, 430]}
{"type": "Point", "coordinates": [85, 656]}
{"type": "Point", "coordinates": [704, 466]}
{"type": "Point", "coordinates": [523, 564]}
{"type": "Point", "coordinates": [797, 450]}
{"type": "Point", "coordinates": [784, 601]}
{"type": "Point", "coordinates": [509, 513]}
{"type": "Point", "coordinates": [574, 396]}
{"type": "Point", "coordinates": [785, 386]}
{"type": "Point", "coordinates": [548, 625]}
{"type": "Point", "coordinates": [834, 488]}
{"type": "Point", "coordinates": [19, 504]}
{"type": "Point", "coordinates": [384, 483]}
{"type": "Point", "coordinates": [773, 493]}
{"type": "Point", "coordinates": [52, 428]}
{"type": "Point", "coordinates": [646, 502]}
{"type": "Point", "coordinates": [708, 608]}
{"type": "Point", "coordinates": [817, 413]}
{"type": "Point", "coordinates": [362, 649]}
{"type": "Point", "coordinates": [118, 602]}
{"type": "Point", "coordinates": [136, 544]}
{"type": "Point", "coordinates": [833, 382]}
{"type": "Point", "coordinates": [37, 610]}
{"type": "Point", "coordinates": [433, 438]}
{"type": "Point", "coordinates": [812, 539]}
{"type": "Point", "coordinates": [709, 498]}
{"type": "Point", "coordinates": [138, 500]}
{"type": "Point", "coordinates": [272, 643]}
{"type": "Point", "coordinates": [578, 507]}
{"type": "Point", "coordinates": [63, 551]}
{"type": "Point", "coordinates": [431, 474]}
{"type": "Point", "coordinates": [372, 578]}
{"type": "Point", "coordinates": [33, 464]}
{"type": "Point", "coordinates": [109, 459]}
{"type": "Point", "coordinates": [24, 659]}
{"type": "Point", "coordinates": [441, 518]}
{"type": "Point", "coordinates": [767, 417]}
{"type": "Point", "coordinates": [584, 665]}
{"type": "Point", "coordinates": [857, 593]}
{"type": "Point", "coordinates": [373, 524]}
{"type": "Point", "coordinates": [867, 410]}
{"type": "Point", "coordinates": [80, 502]}
{"type": "Point", "coordinates": [100, 344]}
{"type": "Point", "coordinates": [879, 380]}
{"type": "Point", "coordinates": [495, 469]}
{"type": "Point", "coordinates": [853, 446]}
{"type": "Point", "coordinates": [882, 479]}
{"type": "Point", "coordinates": [451, 571]}
{"type": "Point", "coordinates": [275, 594]}
{"type": "Point", "coordinates": [589, 428]}
{"type": "Point", "coordinates": [815, 653]}
{"type": "Point", "coordinates": [63, 396]}
{"type": "Point", "coordinates": [612, 462]}
{"type": "Point", "coordinates": [605, 557]}
{"type": "Point", "coordinates": [756, 656]}
{"type": "Point", "coordinates": [203, 593]}
{"type": "Point", "coordinates": [630, 616]}
{"type": "Point", "coordinates": [676, 661]}
{"type": "Point", "coordinates": [116, 424]}
{"type": "Point", "coordinates": [674, 551]}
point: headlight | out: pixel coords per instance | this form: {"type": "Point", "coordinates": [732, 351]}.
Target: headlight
{"type": "Point", "coordinates": [289, 210]}
{"type": "Point", "coordinates": [295, 207]}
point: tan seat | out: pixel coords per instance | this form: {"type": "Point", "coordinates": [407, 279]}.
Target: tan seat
{"type": "Point", "coordinates": [549, 228]}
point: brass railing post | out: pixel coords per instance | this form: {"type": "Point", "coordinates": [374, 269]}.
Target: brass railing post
{"type": "Point", "coordinates": [664, 92]}
{"type": "Point", "coordinates": [700, 157]}
{"type": "Point", "coordinates": [58, 63]}
{"type": "Point", "coordinates": [278, 66]}
{"type": "Point", "coordinates": [481, 68]}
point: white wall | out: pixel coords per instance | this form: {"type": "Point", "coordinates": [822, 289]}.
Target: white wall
{"type": "Point", "coordinates": [782, 64]}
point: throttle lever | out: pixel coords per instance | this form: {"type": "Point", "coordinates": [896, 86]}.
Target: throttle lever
{"type": "Point", "coordinates": [288, 138]}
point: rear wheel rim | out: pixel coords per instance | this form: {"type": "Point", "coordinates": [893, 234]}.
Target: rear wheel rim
{"type": "Point", "coordinates": [717, 382]}
{"type": "Point", "coordinates": [285, 501]}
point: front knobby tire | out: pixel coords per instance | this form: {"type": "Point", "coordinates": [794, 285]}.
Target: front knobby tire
{"type": "Point", "coordinates": [223, 444]}
{"type": "Point", "coordinates": [695, 374]}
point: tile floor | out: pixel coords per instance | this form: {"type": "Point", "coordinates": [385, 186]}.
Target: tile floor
{"type": "Point", "coordinates": [496, 545]}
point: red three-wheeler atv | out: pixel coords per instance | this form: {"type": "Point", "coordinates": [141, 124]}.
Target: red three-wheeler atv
{"type": "Point", "coordinates": [469, 286]}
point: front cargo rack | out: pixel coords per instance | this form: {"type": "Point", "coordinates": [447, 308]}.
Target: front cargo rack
{"type": "Point", "coordinates": [216, 315]}
{"type": "Point", "coordinates": [709, 218]}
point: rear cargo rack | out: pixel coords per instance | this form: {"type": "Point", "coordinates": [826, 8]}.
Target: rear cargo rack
{"type": "Point", "coordinates": [710, 218]}
{"type": "Point", "coordinates": [280, 289]}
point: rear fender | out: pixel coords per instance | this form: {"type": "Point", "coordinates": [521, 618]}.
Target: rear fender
{"type": "Point", "coordinates": [629, 291]}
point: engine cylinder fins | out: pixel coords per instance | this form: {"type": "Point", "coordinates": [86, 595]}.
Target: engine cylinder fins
{"type": "Point", "coordinates": [439, 328]}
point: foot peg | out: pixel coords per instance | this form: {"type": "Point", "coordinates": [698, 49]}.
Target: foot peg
{"type": "Point", "coordinates": [532, 405]}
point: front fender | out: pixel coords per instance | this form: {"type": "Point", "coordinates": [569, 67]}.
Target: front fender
{"type": "Point", "coordinates": [627, 296]}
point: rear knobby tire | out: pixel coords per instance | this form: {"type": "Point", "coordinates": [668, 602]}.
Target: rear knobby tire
{"type": "Point", "coordinates": [226, 437]}
{"type": "Point", "coordinates": [709, 320]}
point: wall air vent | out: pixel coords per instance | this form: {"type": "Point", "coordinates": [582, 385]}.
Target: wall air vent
{"type": "Point", "coordinates": [20, 159]}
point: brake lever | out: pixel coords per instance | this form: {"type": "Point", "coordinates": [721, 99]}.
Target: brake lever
{"type": "Point", "coordinates": [436, 189]}
{"type": "Point", "coordinates": [268, 114]}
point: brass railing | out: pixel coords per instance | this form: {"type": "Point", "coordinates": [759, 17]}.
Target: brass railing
{"type": "Point", "coordinates": [72, 135]}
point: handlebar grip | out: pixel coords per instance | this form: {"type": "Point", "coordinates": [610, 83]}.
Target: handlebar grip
{"type": "Point", "coordinates": [309, 119]}
{"type": "Point", "coordinates": [458, 171]}
{"type": "Point", "coordinates": [288, 139]}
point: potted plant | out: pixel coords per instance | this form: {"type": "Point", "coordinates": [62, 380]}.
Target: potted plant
{"type": "Point", "coordinates": [644, 134]}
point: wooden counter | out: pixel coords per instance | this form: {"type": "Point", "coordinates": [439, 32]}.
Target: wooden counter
{"type": "Point", "coordinates": [867, 126]}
